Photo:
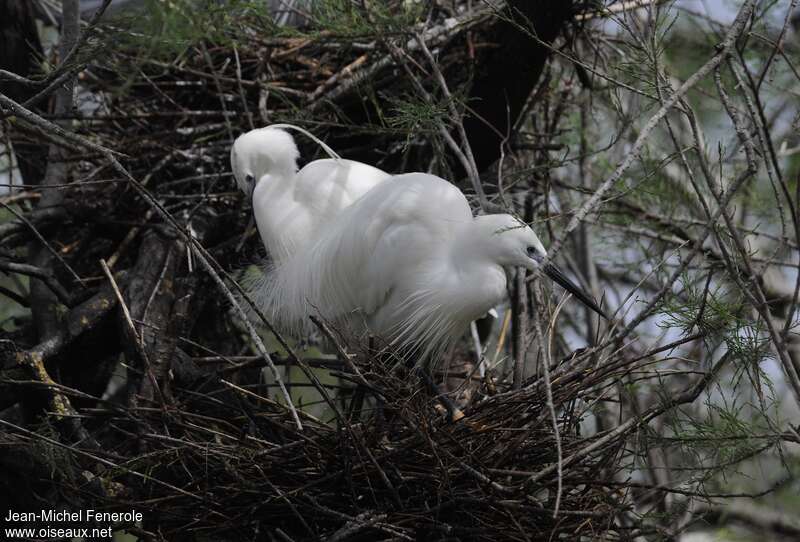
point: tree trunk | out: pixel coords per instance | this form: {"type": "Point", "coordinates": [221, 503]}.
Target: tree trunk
{"type": "Point", "coordinates": [509, 73]}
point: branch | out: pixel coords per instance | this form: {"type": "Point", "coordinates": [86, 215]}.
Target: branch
{"type": "Point", "coordinates": [198, 250]}
{"type": "Point", "coordinates": [45, 275]}
{"type": "Point", "coordinates": [723, 51]}
{"type": "Point", "coordinates": [83, 318]}
{"type": "Point", "coordinates": [71, 45]}
{"type": "Point", "coordinates": [688, 396]}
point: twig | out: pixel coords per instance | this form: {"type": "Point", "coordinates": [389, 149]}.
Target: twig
{"type": "Point", "coordinates": [458, 121]}
{"type": "Point", "coordinates": [549, 390]}
{"type": "Point", "coordinates": [42, 274]}
{"type": "Point", "coordinates": [137, 340]}
{"type": "Point", "coordinates": [723, 51]}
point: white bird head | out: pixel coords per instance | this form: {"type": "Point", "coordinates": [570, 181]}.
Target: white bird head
{"type": "Point", "coordinates": [514, 244]}
{"type": "Point", "coordinates": [260, 152]}
{"type": "Point", "coordinates": [511, 243]}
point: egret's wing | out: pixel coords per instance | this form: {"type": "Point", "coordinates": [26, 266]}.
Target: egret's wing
{"type": "Point", "coordinates": [291, 211]}
{"type": "Point", "coordinates": [393, 231]}
{"type": "Point", "coordinates": [367, 250]}
{"type": "Point", "coordinates": [326, 187]}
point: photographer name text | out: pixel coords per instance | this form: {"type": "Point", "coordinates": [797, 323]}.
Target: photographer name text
{"type": "Point", "coordinates": [64, 516]}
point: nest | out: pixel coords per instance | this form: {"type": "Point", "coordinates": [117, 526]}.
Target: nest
{"type": "Point", "coordinates": [211, 455]}
{"type": "Point", "coordinates": [228, 463]}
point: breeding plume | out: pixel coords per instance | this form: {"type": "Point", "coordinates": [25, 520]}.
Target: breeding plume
{"type": "Point", "coordinates": [408, 261]}
{"type": "Point", "coordinates": [291, 207]}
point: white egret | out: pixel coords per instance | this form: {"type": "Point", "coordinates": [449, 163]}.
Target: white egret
{"type": "Point", "coordinates": [291, 207]}
{"type": "Point", "coordinates": [409, 261]}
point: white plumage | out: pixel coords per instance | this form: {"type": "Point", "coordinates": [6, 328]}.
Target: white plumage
{"type": "Point", "coordinates": [291, 207]}
{"type": "Point", "coordinates": [408, 260]}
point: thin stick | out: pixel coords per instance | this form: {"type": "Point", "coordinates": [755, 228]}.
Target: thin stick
{"type": "Point", "coordinates": [138, 340]}
{"type": "Point", "coordinates": [501, 340]}
{"type": "Point", "coordinates": [308, 134]}
{"type": "Point", "coordinates": [457, 119]}
{"type": "Point", "coordinates": [548, 360]}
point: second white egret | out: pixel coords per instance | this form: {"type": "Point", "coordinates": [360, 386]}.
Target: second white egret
{"type": "Point", "coordinates": [291, 207]}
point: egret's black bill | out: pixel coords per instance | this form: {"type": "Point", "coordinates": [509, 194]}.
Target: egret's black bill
{"type": "Point", "coordinates": [561, 279]}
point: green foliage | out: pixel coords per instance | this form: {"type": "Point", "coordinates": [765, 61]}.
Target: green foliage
{"type": "Point", "coordinates": [729, 431]}
{"type": "Point", "coordinates": [721, 316]}
{"type": "Point", "coordinates": [365, 19]}
{"type": "Point", "coordinates": [642, 59]}
{"type": "Point", "coordinates": [748, 343]}
{"type": "Point", "coordinates": [725, 423]}
{"type": "Point", "coordinates": [413, 115]}
{"type": "Point", "coordinates": [163, 29]}
{"type": "Point", "coordinates": [713, 312]}
{"type": "Point", "coordinates": [656, 190]}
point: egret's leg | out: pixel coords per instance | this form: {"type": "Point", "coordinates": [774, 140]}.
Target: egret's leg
{"type": "Point", "coordinates": [356, 403]}
{"type": "Point", "coordinates": [357, 400]}
{"type": "Point", "coordinates": [380, 415]}
{"type": "Point", "coordinates": [453, 411]}
{"type": "Point", "coordinates": [380, 404]}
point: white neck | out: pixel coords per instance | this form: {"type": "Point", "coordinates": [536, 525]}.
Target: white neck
{"type": "Point", "coordinates": [476, 241]}
{"type": "Point", "coordinates": [473, 255]}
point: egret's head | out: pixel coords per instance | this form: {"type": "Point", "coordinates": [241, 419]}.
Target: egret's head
{"type": "Point", "coordinates": [515, 245]}
{"type": "Point", "coordinates": [511, 242]}
{"type": "Point", "coordinates": [260, 152]}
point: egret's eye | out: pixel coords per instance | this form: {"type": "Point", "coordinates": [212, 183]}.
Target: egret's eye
{"type": "Point", "coordinates": [249, 179]}
{"type": "Point", "coordinates": [534, 254]}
